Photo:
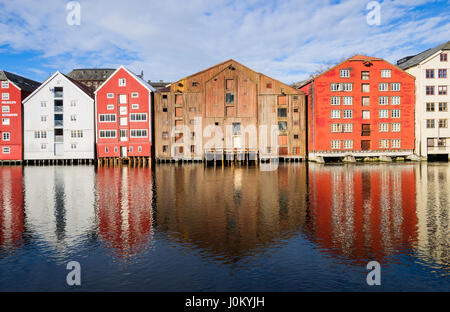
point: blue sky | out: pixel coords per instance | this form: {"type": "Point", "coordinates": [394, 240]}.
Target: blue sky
{"type": "Point", "coordinates": [170, 39]}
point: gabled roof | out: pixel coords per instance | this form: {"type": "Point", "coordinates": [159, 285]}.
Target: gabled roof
{"type": "Point", "coordinates": [414, 60]}
{"type": "Point", "coordinates": [23, 83]}
{"type": "Point", "coordinates": [139, 79]}
{"type": "Point", "coordinates": [75, 83]}
{"type": "Point", "coordinates": [83, 74]}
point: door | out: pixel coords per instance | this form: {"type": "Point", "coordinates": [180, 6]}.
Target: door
{"type": "Point", "coordinates": [365, 145]}
{"type": "Point", "coordinates": [59, 149]}
{"type": "Point", "coordinates": [365, 130]}
{"type": "Point", "coordinates": [123, 121]}
{"type": "Point", "coordinates": [122, 99]}
{"type": "Point", "coordinates": [123, 151]}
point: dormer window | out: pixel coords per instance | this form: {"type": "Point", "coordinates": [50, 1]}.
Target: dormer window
{"type": "Point", "coordinates": [122, 82]}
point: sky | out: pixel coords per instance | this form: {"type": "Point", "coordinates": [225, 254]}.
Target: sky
{"type": "Point", "coordinates": [170, 39]}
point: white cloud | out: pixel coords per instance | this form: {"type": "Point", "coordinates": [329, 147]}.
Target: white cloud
{"type": "Point", "coordinates": [171, 39]}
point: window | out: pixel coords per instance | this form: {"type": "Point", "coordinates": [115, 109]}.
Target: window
{"type": "Point", "coordinates": [165, 148]}
{"type": "Point", "coordinates": [365, 87]}
{"type": "Point", "coordinates": [348, 144]}
{"type": "Point", "coordinates": [384, 143]}
{"type": "Point", "coordinates": [116, 149]}
{"type": "Point", "coordinates": [5, 84]}
{"type": "Point", "coordinates": [348, 100]}
{"type": "Point", "coordinates": [73, 146]}
{"type": "Point", "coordinates": [106, 149]}
{"type": "Point", "coordinates": [192, 121]}
{"type": "Point", "coordinates": [365, 75]}
{"type": "Point", "coordinates": [229, 84]}
{"type": "Point", "coordinates": [43, 118]}
{"type": "Point", "coordinates": [383, 127]}
{"type": "Point", "coordinates": [43, 146]}
{"type": "Point", "coordinates": [430, 90]}
{"type": "Point", "coordinates": [40, 134]}
{"type": "Point", "coordinates": [443, 123]}
{"type": "Point", "coordinates": [73, 103]}
{"type": "Point", "coordinates": [366, 114]}
{"type": "Point", "coordinates": [164, 109]}
{"type": "Point", "coordinates": [5, 96]}
{"type": "Point", "coordinates": [43, 104]}
{"type": "Point", "coordinates": [5, 109]}
{"type": "Point", "coordinates": [430, 123]}
{"type": "Point", "coordinates": [230, 98]}
{"type": "Point", "coordinates": [334, 87]}
{"type": "Point", "coordinates": [139, 149]}
{"type": "Point", "coordinates": [395, 127]}
{"type": "Point", "coordinates": [6, 150]}
{"type": "Point", "coordinates": [107, 117]}
{"type": "Point", "coordinates": [347, 128]}
{"type": "Point", "coordinates": [110, 95]}
{"type": "Point", "coordinates": [138, 133]}
{"type": "Point", "coordinates": [130, 149]}
{"type": "Point", "coordinates": [335, 100]}
{"type": "Point", "coordinates": [396, 143]}
{"type": "Point", "coordinates": [135, 95]}
{"type": "Point", "coordinates": [443, 107]}
{"type": "Point", "coordinates": [76, 134]}
{"type": "Point", "coordinates": [347, 86]}
{"type": "Point", "coordinates": [73, 117]}
{"type": "Point", "coordinates": [335, 144]}
{"type": "Point", "coordinates": [122, 82]}
{"type": "Point", "coordinates": [395, 113]}
{"type": "Point", "coordinates": [107, 133]}
{"type": "Point", "coordinates": [365, 101]}
{"type": "Point", "coordinates": [443, 57]}
{"type": "Point", "coordinates": [383, 113]}
{"type": "Point", "coordinates": [192, 109]}
{"type": "Point", "coordinates": [237, 128]}
{"type": "Point", "coordinates": [6, 136]}
{"type": "Point", "coordinates": [348, 113]}
{"type": "Point", "coordinates": [429, 73]}
{"type": "Point", "coordinates": [341, 86]}
{"type": "Point", "coordinates": [5, 121]}
{"type": "Point", "coordinates": [442, 90]}
{"type": "Point", "coordinates": [442, 73]}
{"type": "Point", "coordinates": [138, 117]}
{"type": "Point", "coordinates": [383, 87]}
{"type": "Point", "coordinates": [345, 73]}
{"type": "Point", "coordinates": [282, 112]}
{"type": "Point", "coordinates": [430, 142]}
{"type": "Point", "coordinates": [430, 107]}
{"type": "Point", "coordinates": [442, 142]}
{"type": "Point", "coordinates": [335, 114]}
{"type": "Point", "coordinates": [110, 107]}
{"type": "Point", "coordinates": [282, 125]}
{"type": "Point", "coordinates": [134, 106]}
{"type": "Point", "coordinates": [395, 100]}
{"type": "Point", "coordinates": [383, 100]}
{"type": "Point", "coordinates": [395, 86]}
{"type": "Point", "coordinates": [165, 135]}
{"type": "Point", "coordinates": [385, 73]}
{"type": "Point", "coordinates": [335, 128]}
{"type": "Point", "coordinates": [123, 110]}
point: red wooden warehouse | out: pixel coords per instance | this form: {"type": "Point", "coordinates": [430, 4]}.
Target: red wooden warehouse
{"type": "Point", "coordinates": [123, 116]}
{"type": "Point", "coordinates": [362, 107]}
{"type": "Point", "coordinates": [14, 89]}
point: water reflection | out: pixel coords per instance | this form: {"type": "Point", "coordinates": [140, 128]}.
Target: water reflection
{"type": "Point", "coordinates": [363, 212]}
{"type": "Point", "coordinates": [125, 209]}
{"type": "Point", "coordinates": [230, 213]}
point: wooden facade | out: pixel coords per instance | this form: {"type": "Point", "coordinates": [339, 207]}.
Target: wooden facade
{"type": "Point", "coordinates": [223, 110]}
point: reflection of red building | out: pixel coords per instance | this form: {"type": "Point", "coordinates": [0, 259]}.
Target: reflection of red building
{"type": "Point", "coordinates": [125, 209]}
{"type": "Point", "coordinates": [361, 212]}
{"type": "Point", "coordinates": [11, 206]}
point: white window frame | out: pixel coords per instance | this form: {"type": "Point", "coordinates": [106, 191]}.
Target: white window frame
{"type": "Point", "coordinates": [366, 114]}
{"type": "Point", "coordinates": [396, 143]}
{"type": "Point", "coordinates": [5, 96]}
{"type": "Point", "coordinates": [396, 127]}
{"type": "Point", "coordinates": [123, 99]}
{"type": "Point", "coordinates": [5, 84]}
{"type": "Point", "coordinates": [138, 136]}
{"type": "Point", "coordinates": [73, 117]}
{"type": "Point", "coordinates": [6, 121]}
{"type": "Point", "coordinates": [383, 100]}
{"type": "Point", "coordinates": [335, 100]}
{"type": "Point", "coordinates": [395, 86]}
{"type": "Point", "coordinates": [336, 128]}
{"type": "Point", "coordinates": [396, 100]}
{"type": "Point", "coordinates": [104, 132]}
{"type": "Point", "coordinates": [383, 113]}
{"type": "Point", "coordinates": [6, 150]}
{"type": "Point", "coordinates": [344, 73]}
{"type": "Point", "coordinates": [6, 109]}
{"type": "Point", "coordinates": [347, 100]}
{"type": "Point", "coordinates": [386, 73]}
{"type": "Point", "coordinates": [109, 95]}
{"type": "Point", "coordinates": [43, 103]}
{"type": "Point", "coordinates": [6, 136]}
{"type": "Point", "coordinates": [134, 115]}
{"type": "Point", "coordinates": [395, 113]}
{"type": "Point", "coordinates": [110, 107]}
{"type": "Point", "coordinates": [135, 95]}
{"type": "Point", "coordinates": [105, 116]}
{"type": "Point", "coordinates": [383, 86]}
{"type": "Point", "coordinates": [122, 82]}
{"type": "Point", "coordinates": [347, 114]}
{"type": "Point", "coordinates": [347, 128]}
{"type": "Point", "coordinates": [134, 106]}
{"type": "Point", "coordinates": [384, 143]}
{"type": "Point", "coordinates": [383, 127]}
{"type": "Point", "coordinates": [335, 114]}
{"type": "Point", "coordinates": [335, 144]}
{"type": "Point", "coordinates": [348, 144]}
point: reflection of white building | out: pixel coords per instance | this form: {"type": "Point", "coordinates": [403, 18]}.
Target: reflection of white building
{"type": "Point", "coordinates": [431, 69]}
{"type": "Point", "coordinates": [59, 121]}
{"type": "Point", "coordinates": [60, 204]}
{"type": "Point", "coordinates": [433, 212]}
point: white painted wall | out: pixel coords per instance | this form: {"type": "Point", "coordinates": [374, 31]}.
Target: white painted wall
{"type": "Point", "coordinates": [84, 111]}
{"type": "Point", "coordinates": [422, 133]}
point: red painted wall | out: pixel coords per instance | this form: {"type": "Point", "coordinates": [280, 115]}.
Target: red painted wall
{"type": "Point", "coordinates": [112, 86]}
{"type": "Point", "coordinates": [319, 107]}
{"type": "Point", "coordinates": [15, 128]}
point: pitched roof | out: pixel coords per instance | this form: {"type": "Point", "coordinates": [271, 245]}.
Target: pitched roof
{"type": "Point", "coordinates": [159, 85]}
{"type": "Point", "coordinates": [83, 74]}
{"type": "Point", "coordinates": [83, 88]}
{"type": "Point", "coordinates": [137, 77]}
{"type": "Point", "coordinates": [414, 60]}
{"type": "Point", "coordinates": [23, 83]}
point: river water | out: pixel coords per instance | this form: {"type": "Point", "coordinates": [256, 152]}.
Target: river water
{"type": "Point", "coordinates": [303, 227]}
